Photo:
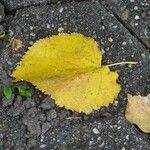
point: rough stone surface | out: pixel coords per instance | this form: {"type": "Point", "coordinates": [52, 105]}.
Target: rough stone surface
{"type": "Point", "coordinates": [115, 133]}
{"type": "Point", "coordinates": [2, 14]}
{"type": "Point", "coordinates": [135, 14]}
{"type": "Point", "coordinates": [47, 103]}
{"type": "Point", "coordinates": [17, 4]}
{"type": "Point", "coordinates": [38, 124]}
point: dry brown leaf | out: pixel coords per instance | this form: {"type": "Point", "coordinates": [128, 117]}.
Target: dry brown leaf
{"type": "Point", "coordinates": [15, 43]}
{"type": "Point", "coordinates": [138, 111]}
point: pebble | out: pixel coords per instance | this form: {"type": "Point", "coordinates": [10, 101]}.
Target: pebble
{"type": "Point", "coordinates": [137, 17]}
{"type": "Point", "coordinates": [110, 39]}
{"type": "Point", "coordinates": [96, 131]}
{"type": "Point", "coordinates": [123, 148]}
{"type": "Point", "coordinates": [125, 15]}
{"type": "Point", "coordinates": [29, 103]}
{"type": "Point", "coordinates": [61, 10]}
{"type": "Point", "coordinates": [135, 8]}
{"type": "Point", "coordinates": [61, 29]}
{"type": "Point", "coordinates": [31, 27]}
{"type": "Point", "coordinates": [124, 43]}
{"type": "Point", "coordinates": [52, 114]}
{"type": "Point", "coordinates": [45, 127]}
{"type": "Point", "coordinates": [31, 42]}
{"type": "Point", "coordinates": [47, 104]}
{"type": "Point", "coordinates": [43, 145]}
{"type": "Point", "coordinates": [47, 26]}
{"type": "Point", "coordinates": [127, 137]}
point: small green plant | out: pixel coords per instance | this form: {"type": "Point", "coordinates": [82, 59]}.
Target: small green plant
{"type": "Point", "coordinates": [8, 91]}
{"type": "Point", "coordinates": [24, 92]}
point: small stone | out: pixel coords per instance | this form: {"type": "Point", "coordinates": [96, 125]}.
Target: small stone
{"type": "Point", "coordinates": [127, 137]}
{"type": "Point", "coordinates": [96, 131]}
{"type": "Point", "coordinates": [103, 27]}
{"type": "Point", "coordinates": [110, 39]}
{"type": "Point", "coordinates": [135, 8]}
{"type": "Point", "coordinates": [61, 29]}
{"type": "Point", "coordinates": [115, 27]}
{"type": "Point", "coordinates": [143, 14]}
{"type": "Point", "coordinates": [137, 17]}
{"type": "Point", "coordinates": [47, 103]}
{"type": "Point", "coordinates": [124, 43]}
{"type": "Point", "coordinates": [61, 10]}
{"type": "Point", "coordinates": [123, 148]}
{"type": "Point", "coordinates": [90, 143]}
{"type": "Point", "coordinates": [32, 34]}
{"type": "Point", "coordinates": [47, 26]}
{"type": "Point", "coordinates": [43, 145]}
{"type": "Point", "coordinates": [131, 0]}
{"type": "Point", "coordinates": [45, 127]}
{"type": "Point", "coordinates": [143, 55]}
{"type": "Point", "coordinates": [31, 42]}
{"type": "Point", "coordinates": [32, 112]}
{"type": "Point", "coordinates": [52, 114]}
{"type": "Point", "coordinates": [31, 27]}
{"type": "Point", "coordinates": [28, 103]}
{"type": "Point", "coordinates": [125, 15]}
{"type": "Point", "coordinates": [116, 103]}
{"type": "Point", "coordinates": [42, 117]}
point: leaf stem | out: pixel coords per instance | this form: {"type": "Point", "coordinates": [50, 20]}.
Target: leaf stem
{"type": "Point", "coordinates": [124, 62]}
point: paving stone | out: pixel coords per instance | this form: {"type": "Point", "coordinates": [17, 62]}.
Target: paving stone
{"type": "Point", "coordinates": [65, 130]}
{"type": "Point", "coordinates": [113, 134]}
{"type": "Point", "coordinates": [12, 132]}
{"type": "Point", "coordinates": [17, 4]}
{"type": "Point", "coordinates": [135, 14]}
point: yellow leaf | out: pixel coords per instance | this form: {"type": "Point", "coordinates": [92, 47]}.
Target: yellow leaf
{"type": "Point", "coordinates": [68, 67]}
{"type": "Point", "coordinates": [138, 111]}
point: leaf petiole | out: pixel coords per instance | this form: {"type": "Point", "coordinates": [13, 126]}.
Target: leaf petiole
{"type": "Point", "coordinates": [124, 62]}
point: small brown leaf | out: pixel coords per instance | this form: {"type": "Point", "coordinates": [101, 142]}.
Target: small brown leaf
{"type": "Point", "coordinates": [138, 111]}
{"type": "Point", "coordinates": [15, 43]}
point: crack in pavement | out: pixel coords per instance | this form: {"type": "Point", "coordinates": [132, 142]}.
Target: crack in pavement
{"type": "Point", "coordinates": [127, 26]}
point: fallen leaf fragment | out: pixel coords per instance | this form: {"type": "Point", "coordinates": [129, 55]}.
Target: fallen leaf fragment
{"type": "Point", "coordinates": [68, 67]}
{"type": "Point", "coordinates": [15, 43]}
{"type": "Point", "coordinates": [2, 35]}
{"type": "Point", "coordinates": [138, 111]}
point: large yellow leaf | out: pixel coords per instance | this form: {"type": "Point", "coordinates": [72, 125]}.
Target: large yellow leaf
{"type": "Point", "coordinates": [68, 67]}
{"type": "Point", "coordinates": [138, 112]}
